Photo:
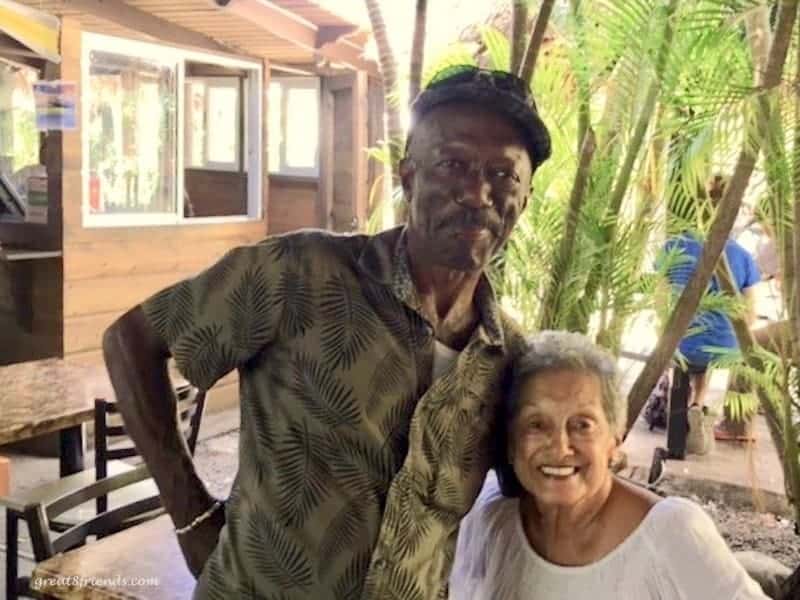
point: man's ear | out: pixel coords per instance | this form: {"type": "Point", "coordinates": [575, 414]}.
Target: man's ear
{"type": "Point", "coordinates": [407, 170]}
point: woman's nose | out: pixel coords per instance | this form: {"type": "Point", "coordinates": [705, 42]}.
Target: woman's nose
{"type": "Point", "coordinates": [560, 442]}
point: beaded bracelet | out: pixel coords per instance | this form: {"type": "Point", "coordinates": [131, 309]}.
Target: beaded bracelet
{"type": "Point", "coordinates": [200, 519]}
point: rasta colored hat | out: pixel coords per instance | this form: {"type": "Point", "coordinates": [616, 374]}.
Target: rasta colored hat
{"type": "Point", "coordinates": [499, 91]}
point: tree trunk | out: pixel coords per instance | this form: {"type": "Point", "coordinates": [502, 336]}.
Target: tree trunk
{"type": "Point", "coordinates": [562, 261]}
{"type": "Point", "coordinates": [759, 36]}
{"type": "Point", "coordinates": [519, 33]}
{"type": "Point", "coordinates": [417, 50]}
{"type": "Point", "coordinates": [394, 130]}
{"type": "Point", "coordinates": [388, 63]}
{"type": "Point", "coordinates": [720, 228]}
{"type": "Point", "coordinates": [791, 281]}
{"type": "Point", "coordinates": [528, 63]}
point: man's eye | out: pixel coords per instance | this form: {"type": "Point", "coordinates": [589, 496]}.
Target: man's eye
{"type": "Point", "coordinates": [452, 164]}
{"type": "Point", "coordinates": [505, 175]}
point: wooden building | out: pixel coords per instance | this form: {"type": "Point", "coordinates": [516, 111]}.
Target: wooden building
{"type": "Point", "coordinates": [198, 125]}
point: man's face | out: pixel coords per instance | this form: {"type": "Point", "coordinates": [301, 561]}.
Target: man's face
{"type": "Point", "coordinates": [466, 179]}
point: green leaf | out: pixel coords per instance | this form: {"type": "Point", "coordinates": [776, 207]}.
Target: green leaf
{"type": "Point", "coordinates": [498, 48]}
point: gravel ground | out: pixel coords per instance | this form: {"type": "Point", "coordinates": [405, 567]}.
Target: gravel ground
{"type": "Point", "coordinates": [216, 460]}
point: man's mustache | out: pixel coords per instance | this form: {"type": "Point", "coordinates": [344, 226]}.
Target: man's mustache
{"type": "Point", "coordinates": [472, 219]}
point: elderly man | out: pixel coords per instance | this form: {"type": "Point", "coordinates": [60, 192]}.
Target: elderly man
{"type": "Point", "coordinates": [369, 369]}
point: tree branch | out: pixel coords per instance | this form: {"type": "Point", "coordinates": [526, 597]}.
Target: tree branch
{"type": "Point", "coordinates": [519, 30]}
{"type": "Point", "coordinates": [564, 254]}
{"type": "Point", "coordinates": [535, 42]}
{"type": "Point", "coordinates": [394, 129]}
{"type": "Point", "coordinates": [418, 50]}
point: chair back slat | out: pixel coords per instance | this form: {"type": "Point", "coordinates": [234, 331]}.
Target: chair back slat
{"type": "Point", "coordinates": [120, 453]}
{"type": "Point", "coordinates": [105, 523]}
{"type": "Point", "coordinates": [116, 431]}
{"type": "Point", "coordinates": [101, 487]}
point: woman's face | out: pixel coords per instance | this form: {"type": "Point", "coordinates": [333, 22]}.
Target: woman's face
{"type": "Point", "coordinates": [561, 441]}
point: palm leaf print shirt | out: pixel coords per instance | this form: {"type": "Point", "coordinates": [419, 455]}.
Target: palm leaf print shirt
{"type": "Point", "coordinates": [354, 468]}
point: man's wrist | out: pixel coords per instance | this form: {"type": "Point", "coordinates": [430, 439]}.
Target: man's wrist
{"type": "Point", "coordinates": [218, 505]}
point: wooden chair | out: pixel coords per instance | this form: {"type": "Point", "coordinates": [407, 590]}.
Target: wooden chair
{"type": "Point", "coordinates": [111, 446]}
{"type": "Point", "coordinates": [39, 514]}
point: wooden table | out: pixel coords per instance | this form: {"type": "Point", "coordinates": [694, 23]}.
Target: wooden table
{"type": "Point", "coordinates": [141, 563]}
{"type": "Point", "coordinates": [45, 396]}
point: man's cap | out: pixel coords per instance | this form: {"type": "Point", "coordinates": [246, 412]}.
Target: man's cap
{"type": "Point", "coordinates": [499, 91]}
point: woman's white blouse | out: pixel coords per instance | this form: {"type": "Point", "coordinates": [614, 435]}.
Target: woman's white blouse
{"type": "Point", "coordinates": [676, 553]}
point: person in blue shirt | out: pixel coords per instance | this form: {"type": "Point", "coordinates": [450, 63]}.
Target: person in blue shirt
{"type": "Point", "coordinates": [709, 330]}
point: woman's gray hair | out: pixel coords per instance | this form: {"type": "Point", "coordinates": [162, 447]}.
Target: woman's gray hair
{"type": "Point", "coordinates": [553, 351]}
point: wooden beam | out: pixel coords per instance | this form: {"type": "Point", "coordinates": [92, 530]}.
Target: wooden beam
{"type": "Point", "coordinates": [326, 42]}
{"type": "Point", "coordinates": [331, 34]}
{"type": "Point", "coordinates": [278, 21]}
{"type": "Point", "coordinates": [148, 24]}
{"type": "Point", "coordinates": [351, 56]}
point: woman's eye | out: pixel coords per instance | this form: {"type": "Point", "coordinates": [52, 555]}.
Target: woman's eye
{"type": "Point", "coordinates": [584, 425]}
{"type": "Point", "coordinates": [536, 425]}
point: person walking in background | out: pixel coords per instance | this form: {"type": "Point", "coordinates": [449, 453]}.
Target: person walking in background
{"type": "Point", "coordinates": [711, 331]}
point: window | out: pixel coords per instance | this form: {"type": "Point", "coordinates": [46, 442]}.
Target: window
{"type": "Point", "coordinates": [20, 141]}
{"type": "Point", "coordinates": [213, 123]}
{"type": "Point", "coordinates": [132, 126]}
{"type": "Point", "coordinates": [294, 126]}
{"type": "Point", "coordinates": [140, 99]}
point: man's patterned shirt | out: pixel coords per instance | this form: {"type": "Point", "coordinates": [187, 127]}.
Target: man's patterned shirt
{"type": "Point", "coordinates": [354, 468]}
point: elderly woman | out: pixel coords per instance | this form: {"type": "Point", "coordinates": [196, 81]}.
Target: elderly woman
{"type": "Point", "coordinates": [564, 526]}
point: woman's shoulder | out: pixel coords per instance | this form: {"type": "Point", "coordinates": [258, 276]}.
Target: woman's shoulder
{"type": "Point", "coordinates": [692, 554]}
{"type": "Point", "coordinates": [491, 504]}
{"type": "Point", "coordinates": [675, 518]}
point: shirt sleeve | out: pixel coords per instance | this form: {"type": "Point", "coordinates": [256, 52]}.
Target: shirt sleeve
{"type": "Point", "coordinates": [752, 274]}
{"type": "Point", "coordinates": [218, 320]}
{"type": "Point", "coordinates": [696, 559]}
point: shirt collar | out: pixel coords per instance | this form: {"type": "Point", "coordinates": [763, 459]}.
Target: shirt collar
{"type": "Point", "coordinates": [384, 259]}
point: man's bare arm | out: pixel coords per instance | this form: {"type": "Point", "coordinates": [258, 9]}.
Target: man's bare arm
{"type": "Point", "coordinates": [136, 358]}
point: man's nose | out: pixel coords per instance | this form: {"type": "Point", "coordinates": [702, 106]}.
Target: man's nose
{"type": "Point", "coordinates": [476, 191]}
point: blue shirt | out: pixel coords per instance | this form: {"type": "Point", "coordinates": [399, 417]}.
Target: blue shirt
{"type": "Point", "coordinates": [710, 328]}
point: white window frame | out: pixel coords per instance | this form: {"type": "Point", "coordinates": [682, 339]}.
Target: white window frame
{"type": "Point", "coordinates": [176, 57]}
{"type": "Point", "coordinates": [288, 83]}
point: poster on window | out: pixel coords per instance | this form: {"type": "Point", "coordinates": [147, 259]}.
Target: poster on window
{"type": "Point", "coordinates": [56, 105]}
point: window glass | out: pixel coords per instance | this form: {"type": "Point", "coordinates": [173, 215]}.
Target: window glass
{"type": "Point", "coordinates": [19, 138]}
{"type": "Point", "coordinates": [195, 153]}
{"type": "Point", "coordinates": [294, 105]}
{"type": "Point", "coordinates": [223, 124]}
{"type": "Point", "coordinates": [213, 131]}
{"type": "Point", "coordinates": [302, 128]}
{"type": "Point", "coordinates": [132, 134]}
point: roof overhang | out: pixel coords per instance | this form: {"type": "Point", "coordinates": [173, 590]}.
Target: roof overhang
{"type": "Point", "coordinates": [329, 42]}
{"type": "Point", "coordinates": [31, 28]}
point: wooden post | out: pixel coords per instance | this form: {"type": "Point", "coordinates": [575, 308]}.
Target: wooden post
{"type": "Point", "coordinates": [5, 476]}
{"type": "Point", "coordinates": [359, 174]}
